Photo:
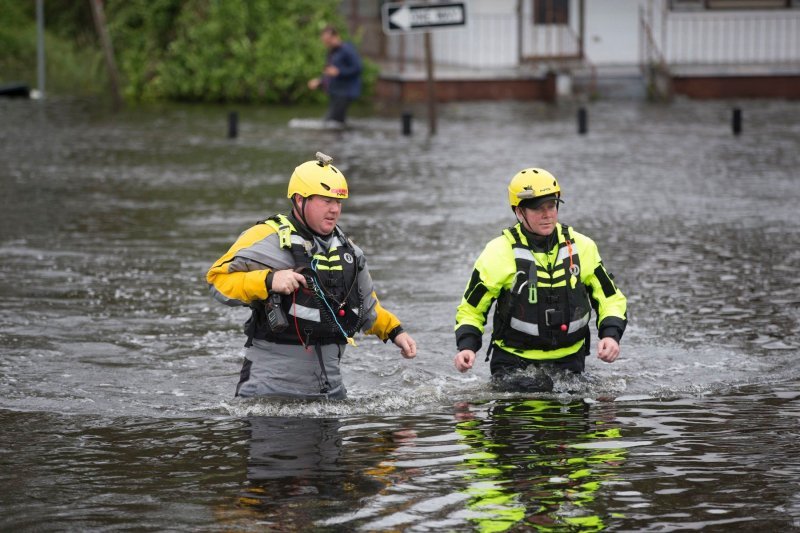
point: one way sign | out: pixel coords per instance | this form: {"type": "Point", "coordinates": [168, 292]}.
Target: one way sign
{"type": "Point", "coordinates": [402, 18]}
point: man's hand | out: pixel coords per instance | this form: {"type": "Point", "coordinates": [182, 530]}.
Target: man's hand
{"type": "Point", "coordinates": [314, 83]}
{"type": "Point", "coordinates": [408, 348]}
{"type": "Point", "coordinates": [464, 360]}
{"type": "Point", "coordinates": [608, 350]}
{"type": "Point", "coordinates": [331, 71]}
{"type": "Point", "coordinates": [287, 281]}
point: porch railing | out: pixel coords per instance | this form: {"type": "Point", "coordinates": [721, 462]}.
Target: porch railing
{"type": "Point", "coordinates": [700, 38]}
{"type": "Point", "coordinates": [652, 64]}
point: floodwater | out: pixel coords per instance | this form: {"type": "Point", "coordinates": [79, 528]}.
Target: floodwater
{"type": "Point", "coordinates": [117, 371]}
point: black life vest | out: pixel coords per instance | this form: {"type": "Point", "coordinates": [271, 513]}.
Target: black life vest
{"type": "Point", "coordinates": [547, 306]}
{"type": "Point", "coordinates": [330, 310]}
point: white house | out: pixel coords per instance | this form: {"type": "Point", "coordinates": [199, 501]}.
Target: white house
{"type": "Point", "coordinates": [524, 48]}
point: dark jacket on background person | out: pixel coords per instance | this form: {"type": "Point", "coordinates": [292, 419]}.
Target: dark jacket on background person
{"type": "Point", "coordinates": [348, 83]}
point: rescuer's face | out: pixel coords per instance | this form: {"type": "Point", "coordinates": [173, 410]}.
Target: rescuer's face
{"type": "Point", "coordinates": [540, 220]}
{"type": "Point", "coordinates": [322, 213]}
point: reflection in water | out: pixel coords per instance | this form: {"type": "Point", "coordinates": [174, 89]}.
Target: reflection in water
{"type": "Point", "coordinates": [297, 471]}
{"type": "Point", "coordinates": [92, 473]}
{"type": "Point", "coordinates": [528, 468]}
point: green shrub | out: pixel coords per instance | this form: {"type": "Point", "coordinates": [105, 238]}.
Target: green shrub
{"type": "Point", "coordinates": [213, 51]}
{"type": "Point", "coordinates": [260, 51]}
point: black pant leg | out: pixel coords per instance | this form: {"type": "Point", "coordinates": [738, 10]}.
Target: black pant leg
{"type": "Point", "coordinates": [337, 108]}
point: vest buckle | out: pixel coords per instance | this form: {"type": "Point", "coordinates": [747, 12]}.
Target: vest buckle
{"type": "Point", "coordinates": [285, 235]}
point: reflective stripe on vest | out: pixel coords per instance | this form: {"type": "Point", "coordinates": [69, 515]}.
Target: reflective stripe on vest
{"type": "Point", "coordinates": [330, 309]}
{"type": "Point", "coordinates": [330, 262]}
{"type": "Point", "coordinates": [306, 313]}
{"type": "Point", "coordinates": [533, 329]}
{"type": "Point", "coordinates": [526, 254]}
{"type": "Point", "coordinates": [541, 301]}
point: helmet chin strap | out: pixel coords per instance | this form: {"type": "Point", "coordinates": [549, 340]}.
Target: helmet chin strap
{"type": "Point", "coordinates": [301, 213]}
{"type": "Point", "coordinates": [521, 219]}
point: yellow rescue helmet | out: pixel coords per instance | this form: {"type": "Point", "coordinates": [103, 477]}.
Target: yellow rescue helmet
{"type": "Point", "coordinates": [533, 184]}
{"type": "Point", "coordinates": [318, 177]}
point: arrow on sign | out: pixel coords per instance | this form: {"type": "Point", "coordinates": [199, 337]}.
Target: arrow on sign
{"type": "Point", "coordinates": [401, 18]}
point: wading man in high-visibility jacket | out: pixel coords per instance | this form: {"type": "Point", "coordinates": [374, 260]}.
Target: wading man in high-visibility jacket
{"type": "Point", "coordinates": [309, 289]}
{"type": "Point", "coordinates": [546, 278]}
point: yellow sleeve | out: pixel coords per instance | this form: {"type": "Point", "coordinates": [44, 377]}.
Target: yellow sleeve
{"type": "Point", "coordinates": [494, 271]}
{"type": "Point", "coordinates": [244, 286]}
{"type": "Point", "coordinates": [384, 323]}
{"type": "Point", "coordinates": [610, 303]}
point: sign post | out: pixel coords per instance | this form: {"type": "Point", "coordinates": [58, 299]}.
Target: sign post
{"type": "Point", "coordinates": [431, 84]}
{"type": "Point", "coordinates": [402, 18]}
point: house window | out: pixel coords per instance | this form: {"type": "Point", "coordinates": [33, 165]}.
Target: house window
{"type": "Point", "coordinates": [551, 11]}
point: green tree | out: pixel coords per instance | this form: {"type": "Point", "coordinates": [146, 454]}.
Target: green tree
{"type": "Point", "coordinates": [214, 50]}
{"type": "Point", "coordinates": [73, 63]}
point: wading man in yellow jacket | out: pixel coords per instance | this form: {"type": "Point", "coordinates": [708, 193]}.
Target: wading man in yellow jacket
{"type": "Point", "coordinates": [546, 278]}
{"type": "Point", "coordinates": [309, 289]}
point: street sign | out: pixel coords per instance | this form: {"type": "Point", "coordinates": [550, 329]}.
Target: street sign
{"type": "Point", "coordinates": [406, 18]}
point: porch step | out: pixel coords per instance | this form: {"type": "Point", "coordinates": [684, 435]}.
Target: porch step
{"type": "Point", "coordinates": [609, 83]}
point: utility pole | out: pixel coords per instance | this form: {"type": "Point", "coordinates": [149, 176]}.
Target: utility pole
{"type": "Point", "coordinates": [40, 46]}
{"type": "Point", "coordinates": [108, 51]}
{"type": "Point", "coordinates": [431, 84]}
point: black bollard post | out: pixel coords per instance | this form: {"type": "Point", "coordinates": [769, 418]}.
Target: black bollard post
{"type": "Point", "coordinates": [583, 125]}
{"type": "Point", "coordinates": [233, 124]}
{"type": "Point", "coordinates": [407, 116]}
{"type": "Point", "coordinates": [737, 121]}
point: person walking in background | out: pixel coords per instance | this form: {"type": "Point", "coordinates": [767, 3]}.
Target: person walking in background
{"type": "Point", "coordinates": [546, 278]}
{"type": "Point", "coordinates": [341, 77]}
{"type": "Point", "coordinates": [309, 289]}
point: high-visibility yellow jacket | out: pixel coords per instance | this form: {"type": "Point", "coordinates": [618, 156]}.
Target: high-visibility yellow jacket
{"type": "Point", "coordinates": [544, 298]}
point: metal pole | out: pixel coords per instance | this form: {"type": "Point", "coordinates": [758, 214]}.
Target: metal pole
{"type": "Point", "coordinates": [40, 46]}
{"type": "Point", "coordinates": [737, 121]}
{"type": "Point", "coordinates": [664, 31]}
{"type": "Point", "coordinates": [431, 83]}
{"type": "Point", "coordinates": [581, 28]}
{"type": "Point", "coordinates": [583, 121]}
{"type": "Point", "coordinates": [407, 116]}
{"type": "Point", "coordinates": [233, 124]}
{"type": "Point", "coordinates": [520, 27]}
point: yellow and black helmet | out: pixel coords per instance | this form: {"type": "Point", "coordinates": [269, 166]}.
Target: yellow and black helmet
{"type": "Point", "coordinates": [318, 177]}
{"type": "Point", "coordinates": [533, 184]}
